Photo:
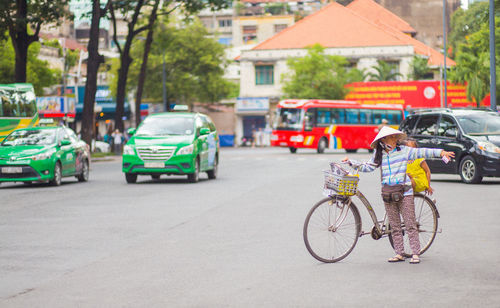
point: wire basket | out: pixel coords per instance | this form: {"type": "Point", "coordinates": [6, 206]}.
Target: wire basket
{"type": "Point", "coordinates": [341, 182]}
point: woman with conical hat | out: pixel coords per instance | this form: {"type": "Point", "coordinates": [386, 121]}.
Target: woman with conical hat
{"type": "Point", "coordinates": [392, 158]}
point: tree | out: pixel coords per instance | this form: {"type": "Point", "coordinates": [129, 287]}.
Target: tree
{"type": "Point", "coordinates": [188, 6]}
{"type": "Point", "coordinates": [384, 72]}
{"type": "Point", "coordinates": [419, 69]}
{"type": "Point", "coordinates": [473, 66]}
{"type": "Point", "coordinates": [466, 22]}
{"type": "Point", "coordinates": [39, 73]}
{"type": "Point", "coordinates": [23, 20]}
{"type": "Point", "coordinates": [144, 64]}
{"type": "Point", "coordinates": [318, 76]}
{"type": "Point", "coordinates": [194, 65]}
{"type": "Point", "coordinates": [93, 62]}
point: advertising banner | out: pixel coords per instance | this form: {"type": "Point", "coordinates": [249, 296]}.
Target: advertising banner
{"type": "Point", "coordinates": [410, 94]}
{"type": "Point", "coordinates": [252, 104]}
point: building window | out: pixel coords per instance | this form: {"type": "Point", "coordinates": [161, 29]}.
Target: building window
{"type": "Point", "coordinates": [250, 34]}
{"type": "Point", "coordinates": [279, 28]}
{"type": "Point", "coordinates": [264, 74]}
{"type": "Point", "coordinates": [223, 23]}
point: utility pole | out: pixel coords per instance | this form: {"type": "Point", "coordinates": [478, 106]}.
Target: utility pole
{"type": "Point", "coordinates": [164, 80]}
{"type": "Point", "coordinates": [493, 79]}
{"type": "Point", "coordinates": [445, 54]}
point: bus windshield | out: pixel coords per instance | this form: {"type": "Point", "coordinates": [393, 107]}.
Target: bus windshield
{"type": "Point", "coordinates": [17, 104]}
{"type": "Point", "coordinates": [288, 119]}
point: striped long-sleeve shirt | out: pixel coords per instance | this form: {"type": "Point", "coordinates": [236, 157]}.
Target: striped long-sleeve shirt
{"type": "Point", "coordinates": [394, 164]}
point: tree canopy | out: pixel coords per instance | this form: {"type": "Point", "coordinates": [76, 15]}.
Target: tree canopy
{"type": "Point", "coordinates": [39, 73]}
{"type": "Point", "coordinates": [384, 72]}
{"type": "Point", "coordinates": [194, 65]}
{"type": "Point", "coordinates": [318, 75]}
{"type": "Point", "coordinates": [419, 69]}
{"type": "Point", "coordinates": [23, 19]}
{"type": "Point", "coordinates": [472, 52]}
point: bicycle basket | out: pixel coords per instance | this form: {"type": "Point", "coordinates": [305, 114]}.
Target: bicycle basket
{"type": "Point", "coordinates": [346, 185]}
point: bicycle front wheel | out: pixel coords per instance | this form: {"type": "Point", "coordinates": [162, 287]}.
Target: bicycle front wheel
{"type": "Point", "coordinates": [426, 215]}
{"type": "Point", "coordinates": [332, 229]}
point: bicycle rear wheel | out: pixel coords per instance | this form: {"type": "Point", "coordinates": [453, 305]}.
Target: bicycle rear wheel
{"type": "Point", "coordinates": [331, 229]}
{"type": "Point", "coordinates": [426, 215]}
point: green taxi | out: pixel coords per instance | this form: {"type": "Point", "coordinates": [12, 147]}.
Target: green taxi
{"type": "Point", "coordinates": [172, 143]}
{"type": "Point", "coordinates": [43, 154]}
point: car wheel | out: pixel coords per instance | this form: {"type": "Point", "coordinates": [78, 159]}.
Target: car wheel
{"type": "Point", "coordinates": [130, 178]}
{"type": "Point", "coordinates": [351, 150]}
{"type": "Point", "coordinates": [293, 150]}
{"type": "Point", "coordinates": [212, 174]}
{"type": "Point", "coordinates": [195, 176]}
{"type": "Point", "coordinates": [155, 177]}
{"type": "Point", "coordinates": [84, 176]}
{"type": "Point", "coordinates": [322, 144]}
{"type": "Point", "coordinates": [469, 171]}
{"type": "Point", "coordinates": [56, 180]}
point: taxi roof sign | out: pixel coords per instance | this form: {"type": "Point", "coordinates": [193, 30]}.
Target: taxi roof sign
{"type": "Point", "coordinates": [181, 108]}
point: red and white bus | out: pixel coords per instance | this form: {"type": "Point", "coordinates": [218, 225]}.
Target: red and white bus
{"type": "Point", "coordinates": [321, 124]}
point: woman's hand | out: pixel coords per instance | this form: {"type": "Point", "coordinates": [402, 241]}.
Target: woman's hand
{"type": "Point", "coordinates": [448, 155]}
{"type": "Point", "coordinates": [430, 190]}
{"type": "Point", "coordinates": [345, 160]}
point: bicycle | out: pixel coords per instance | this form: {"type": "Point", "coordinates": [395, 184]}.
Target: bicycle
{"type": "Point", "coordinates": [333, 225]}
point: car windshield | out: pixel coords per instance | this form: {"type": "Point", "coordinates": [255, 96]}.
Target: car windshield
{"type": "Point", "coordinates": [480, 124]}
{"type": "Point", "coordinates": [160, 126]}
{"type": "Point", "coordinates": [30, 137]}
{"type": "Point", "coordinates": [288, 118]}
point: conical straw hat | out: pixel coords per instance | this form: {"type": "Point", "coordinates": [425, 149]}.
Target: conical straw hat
{"type": "Point", "coordinates": [384, 132]}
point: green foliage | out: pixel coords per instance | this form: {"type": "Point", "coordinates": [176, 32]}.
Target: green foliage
{"type": "Point", "coordinates": [194, 66]}
{"type": "Point", "coordinates": [419, 69]}
{"type": "Point", "coordinates": [466, 22]}
{"type": "Point", "coordinates": [384, 72]}
{"type": "Point", "coordinates": [278, 8]}
{"type": "Point", "coordinates": [39, 73]}
{"type": "Point", "coordinates": [473, 63]}
{"type": "Point", "coordinates": [39, 12]}
{"type": "Point", "coordinates": [319, 76]}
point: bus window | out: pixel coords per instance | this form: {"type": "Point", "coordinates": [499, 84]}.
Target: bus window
{"type": "Point", "coordinates": [394, 117]}
{"type": "Point", "coordinates": [323, 117]}
{"type": "Point", "coordinates": [310, 119]}
{"type": "Point", "coordinates": [337, 115]}
{"type": "Point", "coordinates": [365, 116]}
{"type": "Point", "coordinates": [352, 116]}
{"type": "Point", "coordinates": [378, 115]}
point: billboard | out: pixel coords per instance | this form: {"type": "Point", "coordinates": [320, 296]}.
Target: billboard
{"type": "Point", "coordinates": [410, 94]}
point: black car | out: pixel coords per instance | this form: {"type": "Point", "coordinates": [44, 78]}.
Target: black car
{"type": "Point", "coordinates": [473, 134]}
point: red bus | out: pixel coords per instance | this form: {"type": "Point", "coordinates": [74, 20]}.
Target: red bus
{"type": "Point", "coordinates": [321, 124]}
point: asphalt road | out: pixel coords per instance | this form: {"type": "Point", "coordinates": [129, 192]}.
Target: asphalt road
{"type": "Point", "coordinates": [232, 242]}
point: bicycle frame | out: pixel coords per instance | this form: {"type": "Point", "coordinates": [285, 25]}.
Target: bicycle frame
{"type": "Point", "coordinates": [377, 224]}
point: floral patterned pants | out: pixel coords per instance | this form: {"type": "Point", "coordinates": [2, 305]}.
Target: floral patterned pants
{"type": "Point", "coordinates": [405, 208]}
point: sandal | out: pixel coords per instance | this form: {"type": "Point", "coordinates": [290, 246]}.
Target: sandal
{"type": "Point", "coordinates": [396, 258]}
{"type": "Point", "coordinates": [415, 259]}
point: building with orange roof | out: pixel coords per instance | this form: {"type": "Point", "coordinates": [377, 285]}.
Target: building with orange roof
{"type": "Point", "coordinates": [342, 31]}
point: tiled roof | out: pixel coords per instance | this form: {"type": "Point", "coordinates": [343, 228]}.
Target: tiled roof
{"type": "Point", "coordinates": [336, 26]}
{"type": "Point", "coordinates": [380, 15]}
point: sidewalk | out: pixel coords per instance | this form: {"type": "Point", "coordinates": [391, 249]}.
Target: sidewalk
{"type": "Point", "coordinates": [105, 158]}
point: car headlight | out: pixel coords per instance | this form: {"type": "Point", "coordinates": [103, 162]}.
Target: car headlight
{"type": "Point", "coordinates": [186, 150]}
{"type": "Point", "coordinates": [488, 147]}
{"type": "Point", "coordinates": [298, 138]}
{"type": "Point", "coordinates": [42, 156]}
{"type": "Point", "coordinates": [128, 150]}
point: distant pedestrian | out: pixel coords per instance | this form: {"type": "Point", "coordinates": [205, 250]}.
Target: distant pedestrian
{"type": "Point", "coordinates": [117, 141]}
